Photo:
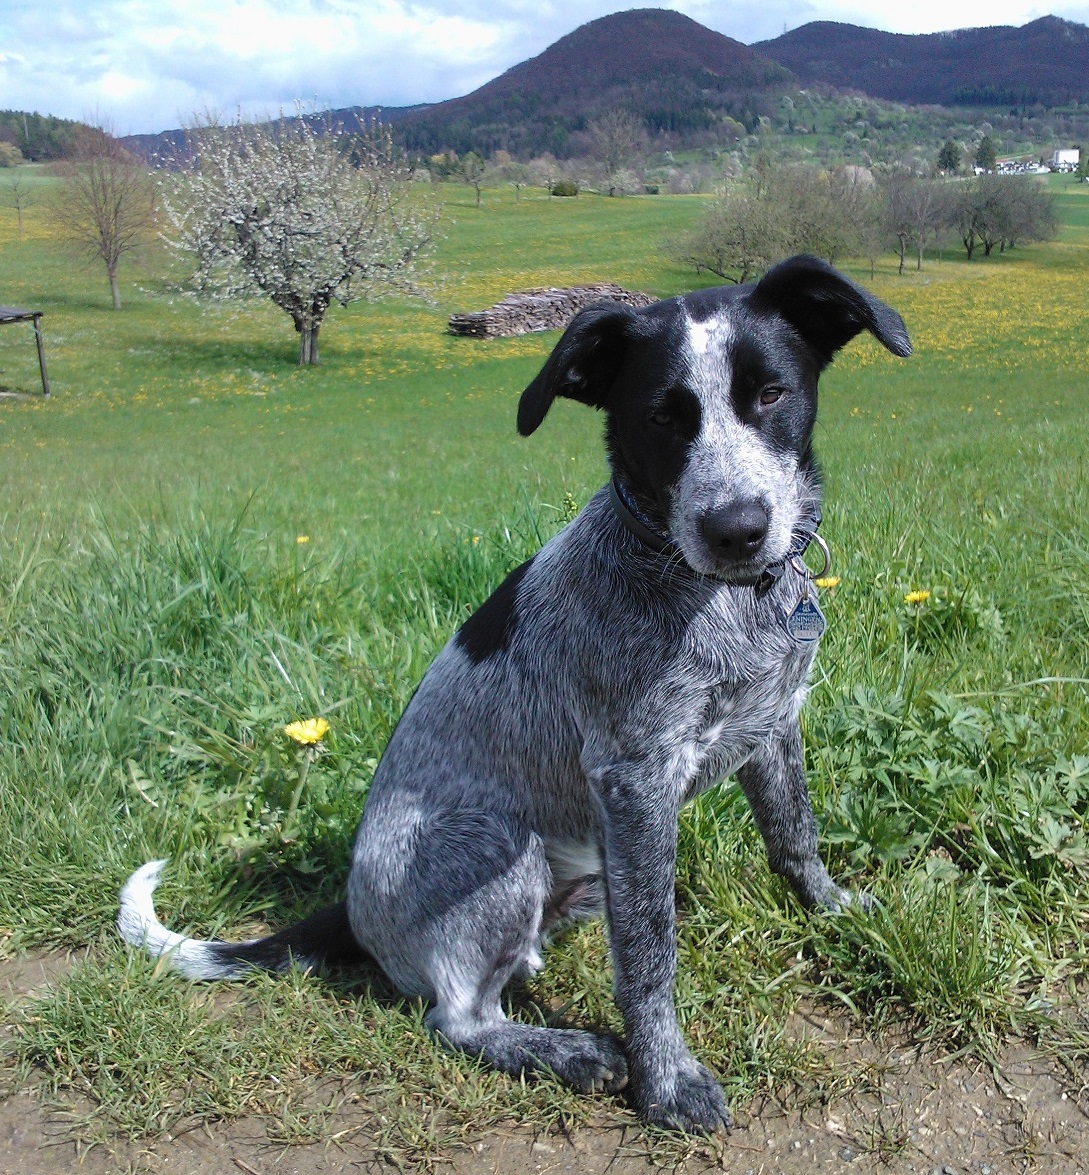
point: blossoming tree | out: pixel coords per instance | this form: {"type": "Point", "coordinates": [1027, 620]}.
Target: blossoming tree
{"type": "Point", "coordinates": [298, 211]}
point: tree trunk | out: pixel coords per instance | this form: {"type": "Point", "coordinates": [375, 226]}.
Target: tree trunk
{"type": "Point", "coordinates": [114, 290]}
{"type": "Point", "coordinates": [308, 345]}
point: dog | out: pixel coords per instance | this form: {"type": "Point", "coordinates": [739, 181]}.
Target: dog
{"type": "Point", "coordinates": [659, 643]}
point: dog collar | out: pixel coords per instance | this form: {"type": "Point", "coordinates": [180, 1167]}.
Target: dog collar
{"type": "Point", "coordinates": [639, 525]}
{"type": "Point", "coordinates": [660, 542]}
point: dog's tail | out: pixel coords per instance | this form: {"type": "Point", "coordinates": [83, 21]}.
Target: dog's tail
{"type": "Point", "coordinates": [325, 937]}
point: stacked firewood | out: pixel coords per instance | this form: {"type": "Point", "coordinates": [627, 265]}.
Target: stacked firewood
{"type": "Point", "coordinates": [544, 308]}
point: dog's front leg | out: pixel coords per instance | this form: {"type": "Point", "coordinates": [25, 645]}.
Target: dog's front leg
{"type": "Point", "coordinates": [774, 783]}
{"type": "Point", "coordinates": [639, 817]}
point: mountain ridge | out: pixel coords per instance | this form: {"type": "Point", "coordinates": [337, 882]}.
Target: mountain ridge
{"type": "Point", "coordinates": [692, 86]}
{"type": "Point", "coordinates": [1044, 62]}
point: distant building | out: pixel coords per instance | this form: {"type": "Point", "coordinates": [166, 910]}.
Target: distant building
{"type": "Point", "coordinates": [1010, 166]}
{"type": "Point", "coordinates": [1064, 160]}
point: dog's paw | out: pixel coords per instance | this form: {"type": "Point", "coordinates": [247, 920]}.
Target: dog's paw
{"type": "Point", "coordinates": [838, 900]}
{"type": "Point", "coordinates": [693, 1103]}
{"type": "Point", "coordinates": [589, 1063]}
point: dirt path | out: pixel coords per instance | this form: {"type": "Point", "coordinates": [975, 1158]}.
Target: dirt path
{"type": "Point", "coordinates": [929, 1117]}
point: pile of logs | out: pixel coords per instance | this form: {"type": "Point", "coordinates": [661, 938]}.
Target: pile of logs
{"type": "Point", "coordinates": [540, 309]}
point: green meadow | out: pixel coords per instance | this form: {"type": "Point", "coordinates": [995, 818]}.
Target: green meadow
{"type": "Point", "coordinates": [202, 542]}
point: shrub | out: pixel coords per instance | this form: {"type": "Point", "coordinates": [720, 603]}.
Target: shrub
{"type": "Point", "coordinates": [565, 188]}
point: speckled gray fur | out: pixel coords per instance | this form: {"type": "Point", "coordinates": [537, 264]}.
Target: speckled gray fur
{"type": "Point", "coordinates": [534, 776]}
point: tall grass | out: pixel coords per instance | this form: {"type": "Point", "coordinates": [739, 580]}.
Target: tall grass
{"type": "Point", "coordinates": [202, 543]}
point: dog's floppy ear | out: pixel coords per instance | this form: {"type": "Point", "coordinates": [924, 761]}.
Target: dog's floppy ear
{"type": "Point", "coordinates": [826, 308]}
{"type": "Point", "coordinates": [582, 366]}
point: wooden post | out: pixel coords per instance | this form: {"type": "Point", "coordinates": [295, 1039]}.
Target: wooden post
{"type": "Point", "coordinates": [41, 353]}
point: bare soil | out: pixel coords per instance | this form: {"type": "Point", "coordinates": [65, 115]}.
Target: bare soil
{"type": "Point", "coordinates": [926, 1115]}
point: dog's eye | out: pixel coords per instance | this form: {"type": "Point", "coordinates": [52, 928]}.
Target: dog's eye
{"type": "Point", "coordinates": [771, 396]}
{"type": "Point", "coordinates": [661, 419]}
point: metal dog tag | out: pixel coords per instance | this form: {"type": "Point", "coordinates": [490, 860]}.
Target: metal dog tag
{"type": "Point", "coordinates": [806, 623]}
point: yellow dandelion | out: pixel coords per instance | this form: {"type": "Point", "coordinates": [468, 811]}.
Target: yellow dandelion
{"type": "Point", "coordinates": [308, 732]}
{"type": "Point", "coordinates": [827, 581]}
{"type": "Point", "coordinates": [303, 538]}
{"type": "Point", "coordinates": [917, 597]}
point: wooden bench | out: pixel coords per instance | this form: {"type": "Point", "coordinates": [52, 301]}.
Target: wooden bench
{"type": "Point", "coordinates": [12, 314]}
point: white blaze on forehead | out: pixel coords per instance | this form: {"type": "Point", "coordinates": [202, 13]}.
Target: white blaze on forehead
{"type": "Point", "coordinates": [711, 335]}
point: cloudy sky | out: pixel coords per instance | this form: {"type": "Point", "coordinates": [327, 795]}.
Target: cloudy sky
{"type": "Point", "coordinates": [147, 65]}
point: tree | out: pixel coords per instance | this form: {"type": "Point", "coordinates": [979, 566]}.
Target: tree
{"type": "Point", "coordinates": [966, 214]}
{"type": "Point", "coordinates": [780, 210]}
{"type": "Point", "coordinates": [510, 171]}
{"type": "Point", "coordinates": [10, 155]}
{"type": "Point", "coordinates": [19, 195]}
{"type": "Point", "coordinates": [618, 140]}
{"type": "Point", "coordinates": [915, 211]}
{"type": "Point", "coordinates": [739, 235]}
{"type": "Point", "coordinates": [473, 170]}
{"type": "Point", "coordinates": [949, 158]}
{"type": "Point", "coordinates": [295, 211]}
{"type": "Point", "coordinates": [1002, 210]}
{"type": "Point", "coordinates": [897, 211]}
{"type": "Point", "coordinates": [107, 204]}
{"type": "Point", "coordinates": [987, 154]}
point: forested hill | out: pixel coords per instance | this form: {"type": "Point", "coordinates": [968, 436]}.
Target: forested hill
{"type": "Point", "coordinates": [39, 137]}
{"type": "Point", "coordinates": [677, 75]}
{"type": "Point", "coordinates": [1045, 62]}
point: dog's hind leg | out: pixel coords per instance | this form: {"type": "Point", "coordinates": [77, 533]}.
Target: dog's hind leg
{"type": "Point", "coordinates": [479, 885]}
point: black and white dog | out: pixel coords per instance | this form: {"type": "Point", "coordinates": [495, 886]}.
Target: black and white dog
{"type": "Point", "coordinates": [659, 643]}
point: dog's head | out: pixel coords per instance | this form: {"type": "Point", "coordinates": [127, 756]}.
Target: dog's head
{"type": "Point", "coordinates": [710, 401]}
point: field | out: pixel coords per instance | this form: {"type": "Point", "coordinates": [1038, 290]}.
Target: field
{"type": "Point", "coordinates": [202, 542]}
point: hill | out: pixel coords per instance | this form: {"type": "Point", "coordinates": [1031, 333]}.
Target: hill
{"type": "Point", "coordinates": [1045, 62]}
{"type": "Point", "coordinates": [679, 76]}
{"type": "Point", "coordinates": [40, 137]}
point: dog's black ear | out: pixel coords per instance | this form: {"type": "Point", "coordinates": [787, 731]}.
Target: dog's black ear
{"type": "Point", "coordinates": [583, 364]}
{"type": "Point", "coordinates": [826, 308]}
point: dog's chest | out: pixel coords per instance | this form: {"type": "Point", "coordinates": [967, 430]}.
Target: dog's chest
{"type": "Point", "coordinates": [743, 680]}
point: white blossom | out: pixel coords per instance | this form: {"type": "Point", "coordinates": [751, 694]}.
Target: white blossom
{"type": "Point", "coordinates": [298, 211]}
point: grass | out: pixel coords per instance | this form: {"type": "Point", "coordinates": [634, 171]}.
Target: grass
{"type": "Point", "coordinates": [202, 543]}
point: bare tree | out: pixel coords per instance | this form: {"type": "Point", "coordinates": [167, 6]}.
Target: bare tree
{"type": "Point", "coordinates": [897, 213]}
{"type": "Point", "coordinates": [916, 209]}
{"type": "Point", "coordinates": [295, 211]}
{"type": "Point", "coordinates": [1029, 213]}
{"type": "Point", "coordinates": [618, 140]}
{"type": "Point", "coordinates": [998, 210]}
{"type": "Point", "coordinates": [19, 195]}
{"type": "Point", "coordinates": [107, 202]}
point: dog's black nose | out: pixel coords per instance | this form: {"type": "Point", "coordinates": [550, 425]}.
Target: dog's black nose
{"type": "Point", "coordinates": [736, 532]}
